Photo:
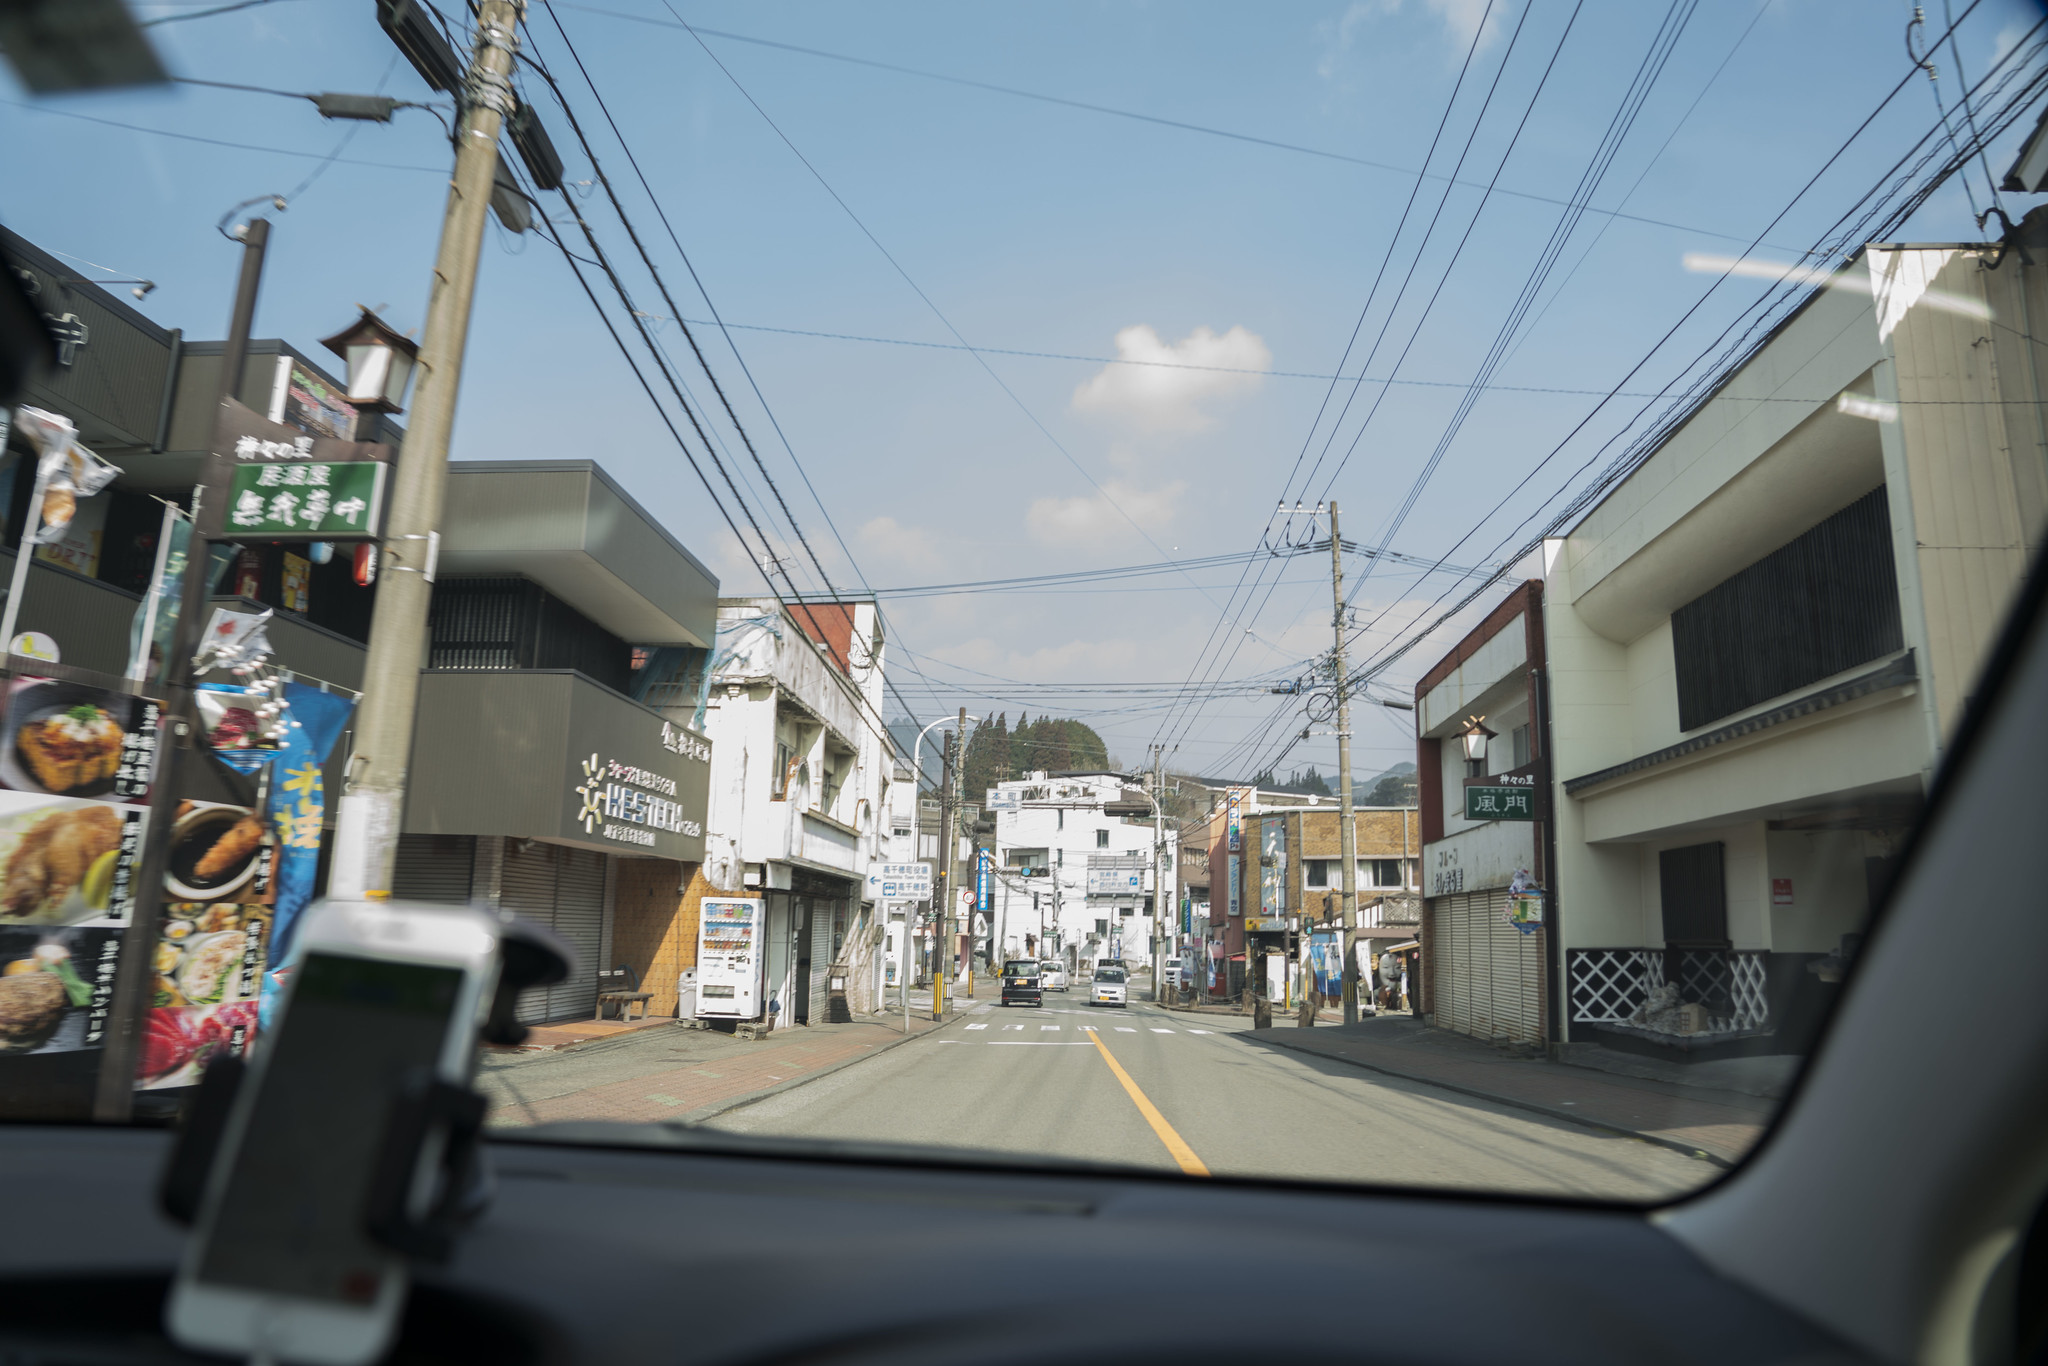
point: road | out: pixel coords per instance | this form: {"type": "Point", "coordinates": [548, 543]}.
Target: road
{"type": "Point", "coordinates": [1200, 1093]}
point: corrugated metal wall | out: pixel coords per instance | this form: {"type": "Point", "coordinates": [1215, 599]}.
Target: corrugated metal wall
{"type": "Point", "coordinates": [1486, 977]}
{"type": "Point", "coordinates": [563, 889]}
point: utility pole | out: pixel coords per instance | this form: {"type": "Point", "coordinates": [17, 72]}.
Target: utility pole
{"type": "Point", "coordinates": [373, 800]}
{"type": "Point", "coordinates": [1347, 833]}
{"type": "Point", "coordinates": [949, 826]}
{"type": "Point", "coordinates": [178, 734]}
{"type": "Point", "coordinates": [1159, 898]}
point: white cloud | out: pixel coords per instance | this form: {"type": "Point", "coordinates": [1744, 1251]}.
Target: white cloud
{"type": "Point", "coordinates": [1091, 518]}
{"type": "Point", "coordinates": [1461, 20]}
{"type": "Point", "coordinates": [884, 540]}
{"type": "Point", "coordinates": [1154, 389]}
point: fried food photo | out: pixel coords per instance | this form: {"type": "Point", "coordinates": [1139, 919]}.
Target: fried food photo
{"type": "Point", "coordinates": [54, 856]}
{"type": "Point", "coordinates": [31, 1007]}
{"type": "Point", "coordinates": [231, 850]}
{"type": "Point", "coordinates": [72, 749]}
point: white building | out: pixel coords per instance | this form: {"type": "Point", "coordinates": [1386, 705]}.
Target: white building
{"type": "Point", "coordinates": [1761, 640]}
{"type": "Point", "coordinates": [803, 796]}
{"type": "Point", "coordinates": [1072, 882]}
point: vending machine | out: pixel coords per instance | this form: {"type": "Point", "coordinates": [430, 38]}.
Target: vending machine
{"type": "Point", "coordinates": [730, 961]}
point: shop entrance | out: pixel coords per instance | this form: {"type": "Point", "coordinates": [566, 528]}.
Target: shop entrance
{"type": "Point", "coordinates": [800, 990]}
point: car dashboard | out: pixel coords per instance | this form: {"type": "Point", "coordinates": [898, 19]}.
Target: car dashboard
{"type": "Point", "coordinates": [644, 1243]}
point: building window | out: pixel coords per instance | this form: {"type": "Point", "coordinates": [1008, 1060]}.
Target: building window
{"type": "Point", "coordinates": [1102, 839]}
{"type": "Point", "coordinates": [1386, 872]}
{"type": "Point", "coordinates": [785, 761]}
{"type": "Point", "coordinates": [1520, 740]}
{"type": "Point", "coordinates": [1318, 872]}
{"type": "Point", "coordinates": [1102, 928]}
{"type": "Point", "coordinates": [900, 831]}
{"type": "Point", "coordinates": [1823, 603]}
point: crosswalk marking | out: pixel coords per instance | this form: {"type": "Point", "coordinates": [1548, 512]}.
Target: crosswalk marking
{"type": "Point", "coordinates": [1048, 1027]}
{"type": "Point", "coordinates": [1125, 1029]}
{"type": "Point", "coordinates": [1201, 1031]}
{"type": "Point", "coordinates": [1013, 1026]}
{"type": "Point", "coordinates": [977, 1026]}
{"type": "Point", "coordinates": [1087, 1029]}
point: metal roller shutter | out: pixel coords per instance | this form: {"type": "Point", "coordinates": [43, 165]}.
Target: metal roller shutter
{"type": "Point", "coordinates": [526, 888]}
{"type": "Point", "coordinates": [821, 956]}
{"type": "Point", "coordinates": [1488, 976]}
{"type": "Point", "coordinates": [434, 868]}
{"type": "Point", "coordinates": [579, 918]}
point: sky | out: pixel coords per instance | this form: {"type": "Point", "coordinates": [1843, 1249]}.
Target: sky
{"type": "Point", "coordinates": [1157, 227]}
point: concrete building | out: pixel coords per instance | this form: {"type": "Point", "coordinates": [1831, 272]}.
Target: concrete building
{"type": "Point", "coordinates": [1072, 882]}
{"type": "Point", "coordinates": [802, 790]}
{"type": "Point", "coordinates": [1761, 640]}
{"type": "Point", "coordinates": [1484, 825]}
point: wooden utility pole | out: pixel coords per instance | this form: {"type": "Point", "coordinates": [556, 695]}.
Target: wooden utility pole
{"type": "Point", "coordinates": [942, 899]}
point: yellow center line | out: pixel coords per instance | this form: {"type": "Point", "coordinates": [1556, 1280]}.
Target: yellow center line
{"type": "Point", "coordinates": [1175, 1144]}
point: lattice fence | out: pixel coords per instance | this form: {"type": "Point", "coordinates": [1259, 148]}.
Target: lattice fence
{"type": "Point", "coordinates": [1607, 985]}
{"type": "Point", "coordinates": [1729, 983]}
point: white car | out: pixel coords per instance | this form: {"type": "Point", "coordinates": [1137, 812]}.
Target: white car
{"type": "Point", "coordinates": [1052, 975]}
{"type": "Point", "coordinates": [1108, 988]}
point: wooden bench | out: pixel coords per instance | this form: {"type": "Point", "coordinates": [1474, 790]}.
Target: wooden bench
{"type": "Point", "coordinates": [620, 986]}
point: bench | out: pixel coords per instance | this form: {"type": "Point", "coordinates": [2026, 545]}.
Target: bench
{"type": "Point", "coordinates": [620, 986]}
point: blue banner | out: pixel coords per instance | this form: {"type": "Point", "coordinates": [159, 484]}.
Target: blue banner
{"type": "Point", "coordinates": [297, 810]}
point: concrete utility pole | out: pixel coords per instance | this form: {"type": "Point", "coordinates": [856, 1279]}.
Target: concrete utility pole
{"type": "Point", "coordinates": [373, 802]}
{"type": "Point", "coordinates": [1160, 905]}
{"type": "Point", "coordinates": [1347, 833]}
{"type": "Point", "coordinates": [949, 826]}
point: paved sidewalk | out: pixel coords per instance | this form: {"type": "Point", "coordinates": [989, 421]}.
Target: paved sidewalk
{"type": "Point", "coordinates": [1718, 1124]}
{"type": "Point", "coordinates": [675, 1074]}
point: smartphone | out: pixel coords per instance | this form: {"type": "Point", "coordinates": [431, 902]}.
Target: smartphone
{"type": "Point", "coordinates": [280, 1265]}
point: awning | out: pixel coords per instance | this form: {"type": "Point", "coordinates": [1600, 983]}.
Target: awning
{"type": "Point", "coordinates": [1402, 948]}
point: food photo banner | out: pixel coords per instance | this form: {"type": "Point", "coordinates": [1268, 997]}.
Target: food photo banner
{"type": "Point", "coordinates": [77, 766]}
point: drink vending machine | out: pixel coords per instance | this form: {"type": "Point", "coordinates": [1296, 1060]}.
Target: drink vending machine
{"type": "Point", "coordinates": [730, 961]}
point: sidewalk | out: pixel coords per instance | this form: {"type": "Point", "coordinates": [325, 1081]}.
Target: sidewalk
{"type": "Point", "coordinates": [1720, 1125]}
{"type": "Point", "coordinates": [665, 1072]}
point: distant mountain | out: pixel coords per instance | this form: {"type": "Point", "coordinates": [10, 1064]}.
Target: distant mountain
{"type": "Point", "coordinates": [1396, 786]}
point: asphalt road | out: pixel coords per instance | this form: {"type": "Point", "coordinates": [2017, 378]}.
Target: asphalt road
{"type": "Point", "coordinates": [1151, 1088]}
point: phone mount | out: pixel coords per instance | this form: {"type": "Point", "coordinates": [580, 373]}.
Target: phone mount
{"type": "Point", "coordinates": [429, 1117]}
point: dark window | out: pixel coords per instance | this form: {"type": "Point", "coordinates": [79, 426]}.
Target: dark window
{"type": "Point", "coordinates": [510, 623]}
{"type": "Point", "coordinates": [1823, 603]}
{"type": "Point", "coordinates": [1695, 896]}
{"type": "Point", "coordinates": [1102, 839]}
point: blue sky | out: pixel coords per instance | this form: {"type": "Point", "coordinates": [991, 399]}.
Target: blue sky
{"type": "Point", "coordinates": [1035, 226]}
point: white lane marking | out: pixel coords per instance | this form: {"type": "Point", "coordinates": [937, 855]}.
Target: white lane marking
{"type": "Point", "coordinates": [979, 1026]}
{"type": "Point", "coordinates": [1201, 1031]}
{"type": "Point", "coordinates": [1087, 1029]}
{"type": "Point", "coordinates": [1125, 1029]}
{"type": "Point", "coordinates": [1013, 1026]}
{"type": "Point", "coordinates": [1157, 1030]}
{"type": "Point", "coordinates": [1043, 1028]}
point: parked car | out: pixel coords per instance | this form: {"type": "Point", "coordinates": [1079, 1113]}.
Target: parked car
{"type": "Point", "coordinates": [1053, 975]}
{"type": "Point", "coordinates": [1108, 989]}
{"type": "Point", "coordinates": [1170, 971]}
{"type": "Point", "coordinates": [1021, 982]}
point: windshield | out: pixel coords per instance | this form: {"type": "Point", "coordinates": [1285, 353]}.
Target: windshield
{"type": "Point", "coordinates": [1430, 551]}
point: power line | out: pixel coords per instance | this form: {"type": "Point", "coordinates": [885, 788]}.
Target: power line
{"type": "Point", "coordinates": [1113, 112]}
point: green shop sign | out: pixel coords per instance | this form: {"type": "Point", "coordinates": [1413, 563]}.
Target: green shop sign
{"type": "Point", "coordinates": [1500, 803]}
{"type": "Point", "coordinates": [316, 500]}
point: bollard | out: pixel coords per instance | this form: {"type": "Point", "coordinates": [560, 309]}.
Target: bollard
{"type": "Point", "coordinates": [1262, 1013]}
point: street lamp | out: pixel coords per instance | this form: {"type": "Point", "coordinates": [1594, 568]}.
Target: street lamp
{"type": "Point", "coordinates": [379, 362]}
{"type": "Point", "coordinates": [1475, 737]}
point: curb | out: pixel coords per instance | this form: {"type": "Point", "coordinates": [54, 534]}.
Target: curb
{"type": "Point", "coordinates": [1548, 1111]}
{"type": "Point", "coordinates": [719, 1107]}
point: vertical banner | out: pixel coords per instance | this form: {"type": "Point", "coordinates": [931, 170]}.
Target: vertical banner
{"type": "Point", "coordinates": [77, 763]}
{"type": "Point", "coordinates": [981, 881]}
{"type": "Point", "coordinates": [297, 810]}
{"type": "Point", "coordinates": [1232, 810]}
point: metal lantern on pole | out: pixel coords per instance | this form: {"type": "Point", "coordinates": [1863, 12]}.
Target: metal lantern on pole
{"type": "Point", "coordinates": [379, 360]}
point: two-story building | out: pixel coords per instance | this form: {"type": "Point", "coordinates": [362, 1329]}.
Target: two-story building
{"type": "Point", "coordinates": [1762, 638]}
{"type": "Point", "coordinates": [1480, 759]}
{"type": "Point", "coordinates": [802, 790]}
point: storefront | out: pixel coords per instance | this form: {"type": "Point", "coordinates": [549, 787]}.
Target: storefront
{"type": "Point", "coordinates": [544, 794]}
